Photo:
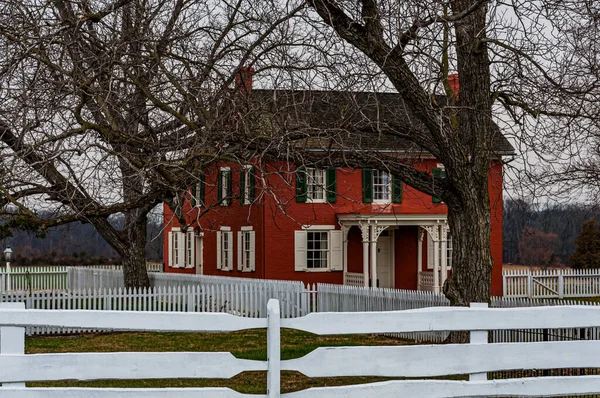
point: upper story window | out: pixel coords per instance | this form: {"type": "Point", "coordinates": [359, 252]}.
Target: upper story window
{"type": "Point", "coordinates": [224, 186]}
{"type": "Point", "coordinates": [247, 185]}
{"type": "Point", "coordinates": [438, 172]}
{"type": "Point", "coordinates": [197, 192]}
{"type": "Point", "coordinates": [381, 187]}
{"type": "Point", "coordinates": [316, 185]}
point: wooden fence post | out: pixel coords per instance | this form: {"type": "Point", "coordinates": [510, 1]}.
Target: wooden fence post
{"type": "Point", "coordinates": [273, 349]}
{"type": "Point", "coordinates": [478, 337]}
{"type": "Point", "coordinates": [561, 285]}
{"type": "Point", "coordinates": [12, 341]}
{"type": "Point", "coordinates": [529, 284]}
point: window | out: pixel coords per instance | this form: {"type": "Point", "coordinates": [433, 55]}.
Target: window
{"type": "Point", "coordinates": [318, 248]}
{"type": "Point", "coordinates": [382, 187]}
{"type": "Point", "coordinates": [225, 249]}
{"type": "Point", "coordinates": [247, 185]}
{"type": "Point", "coordinates": [438, 172]}
{"type": "Point", "coordinates": [315, 185]}
{"type": "Point", "coordinates": [198, 192]}
{"type": "Point", "coordinates": [181, 248]}
{"type": "Point", "coordinates": [246, 249]}
{"type": "Point", "coordinates": [430, 251]}
{"type": "Point", "coordinates": [224, 186]}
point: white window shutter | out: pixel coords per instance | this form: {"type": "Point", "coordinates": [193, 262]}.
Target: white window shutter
{"type": "Point", "coordinates": [170, 250]}
{"type": "Point", "coordinates": [335, 239]}
{"type": "Point", "coordinates": [219, 247]}
{"type": "Point", "coordinates": [191, 243]}
{"type": "Point", "coordinates": [252, 251]}
{"type": "Point", "coordinates": [429, 252]}
{"type": "Point", "coordinates": [181, 249]}
{"type": "Point", "coordinates": [300, 250]}
{"type": "Point", "coordinates": [230, 249]}
{"type": "Point", "coordinates": [239, 251]}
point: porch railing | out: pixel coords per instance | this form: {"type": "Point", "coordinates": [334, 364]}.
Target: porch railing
{"type": "Point", "coordinates": [426, 281]}
{"type": "Point", "coordinates": [354, 279]}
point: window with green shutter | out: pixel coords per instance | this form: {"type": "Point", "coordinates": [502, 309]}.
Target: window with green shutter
{"type": "Point", "coordinates": [224, 186]}
{"type": "Point", "coordinates": [436, 174]}
{"type": "Point", "coordinates": [198, 192]}
{"type": "Point", "coordinates": [367, 185]}
{"type": "Point", "coordinates": [247, 185]}
{"type": "Point", "coordinates": [301, 189]}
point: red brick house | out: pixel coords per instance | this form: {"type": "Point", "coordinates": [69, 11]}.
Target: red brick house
{"type": "Point", "coordinates": [332, 225]}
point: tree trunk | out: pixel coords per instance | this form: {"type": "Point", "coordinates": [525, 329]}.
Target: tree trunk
{"type": "Point", "coordinates": [135, 273]}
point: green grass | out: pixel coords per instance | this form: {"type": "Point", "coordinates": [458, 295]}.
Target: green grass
{"type": "Point", "coordinates": [248, 344]}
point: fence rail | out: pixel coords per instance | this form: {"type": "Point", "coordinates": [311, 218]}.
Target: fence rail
{"type": "Point", "coordinates": [475, 359]}
{"type": "Point", "coordinates": [557, 283]}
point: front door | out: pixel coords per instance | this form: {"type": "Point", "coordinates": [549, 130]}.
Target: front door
{"type": "Point", "coordinates": [384, 260]}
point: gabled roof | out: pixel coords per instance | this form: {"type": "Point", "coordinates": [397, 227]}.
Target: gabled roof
{"type": "Point", "coordinates": [366, 120]}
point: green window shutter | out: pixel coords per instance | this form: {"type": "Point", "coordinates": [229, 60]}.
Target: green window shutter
{"type": "Point", "coordinates": [193, 192]}
{"type": "Point", "coordinates": [242, 185]}
{"type": "Point", "coordinates": [251, 185]}
{"type": "Point", "coordinates": [396, 190]}
{"type": "Point", "coordinates": [436, 173]}
{"type": "Point", "coordinates": [301, 189]}
{"type": "Point", "coordinates": [219, 186]}
{"type": "Point", "coordinates": [201, 190]}
{"type": "Point", "coordinates": [331, 185]}
{"type": "Point", "coordinates": [367, 185]}
{"type": "Point", "coordinates": [228, 177]}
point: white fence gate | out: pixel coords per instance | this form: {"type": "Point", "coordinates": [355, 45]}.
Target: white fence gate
{"type": "Point", "coordinates": [551, 283]}
{"type": "Point", "coordinates": [475, 359]}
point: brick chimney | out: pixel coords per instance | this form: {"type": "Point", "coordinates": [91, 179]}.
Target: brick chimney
{"type": "Point", "coordinates": [244, 75]}
{"type": "Point", "coordinates": [454, 84]}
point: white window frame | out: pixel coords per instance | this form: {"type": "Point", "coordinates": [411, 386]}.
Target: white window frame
{"type": "Point", "coordinates": [430, 252]}
{"type": "Point", "coordinates": [246, 250]}
{"type": "Point", "coordinates": [196, 194]}
{"type": "Point", "coordinates": [384, 174]}
{"type": "Point", "coordinates": [334, 249]}
{"type": "Point", "coordinates": [313, 187]}
{"type": "Point", "coordinates": [225, 249]}
{"type": "Point", "coordinates": [226, 196]}
{"type": "Point", "coordinates": [246, 195]}
{"type": "Point", "coordinates": [449, 251]}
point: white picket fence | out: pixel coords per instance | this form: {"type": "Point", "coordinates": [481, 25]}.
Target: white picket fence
{"type": "Point", "coordinates": [52, 277]}
{"type": "Point", "coordinates": [551, 283]}
{"type": "Point", "coordinates": [412, 361]}
{"type": "Point", "coordinates": [244, 300]}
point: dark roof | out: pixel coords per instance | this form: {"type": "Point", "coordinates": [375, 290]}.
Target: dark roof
{"type": "Point", "coordinates": [366, 120]}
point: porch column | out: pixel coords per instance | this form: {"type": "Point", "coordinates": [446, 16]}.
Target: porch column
{"type": "Point", "coordinates": [364, 230]}
{"type": "Point", "coordinates": [419, 256]}
{"type": "Point", "coordinates": [373, 256]}
{"type": "Point", "coordinates": [444, 246]}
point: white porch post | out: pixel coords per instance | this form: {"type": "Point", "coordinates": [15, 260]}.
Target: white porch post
{"type": "Point", "coordinates": [345, 230]}
{"type": "Point", "coordinates": [444, 260]}
{"type": "Point", "coordinates": [436, 265]}
{"type": "Point", "coordinates": [373, 256]}
{"type": "Point", "coordinates": [419, 256]}
{"type": "Point", "coordinates": [364, 229]}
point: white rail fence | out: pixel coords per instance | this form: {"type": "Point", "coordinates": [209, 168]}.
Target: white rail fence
{"type": "Point", "coordinates": [475, 359]}
{"type": "Point", "coordinates": [551, 283]}
{"type": "Point", "coordinates": [52, 277]}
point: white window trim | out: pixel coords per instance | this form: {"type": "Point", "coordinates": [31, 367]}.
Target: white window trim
{"type": "Point", "coordinates": [318, 227]}
{"type": "Point", "coordinates": [224, 231]}
{"type": "Point", "coordinates": [247, 169]}
{"type": "Point", "coordinates": [382, 201]}
{"type": "Point", "coordinates": [181, 252]}
{"type": "Point", "coordinates": [225, 196]}
{"type": "Point", "coordinates": [244, 258]}
{"type": "Point", "coordinates": [324, 191]}
{"type": "Point", "coordinates": [196, 194]}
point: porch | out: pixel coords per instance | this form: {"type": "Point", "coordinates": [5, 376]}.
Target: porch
{"type": "Point", "coordinates": [397, 251]}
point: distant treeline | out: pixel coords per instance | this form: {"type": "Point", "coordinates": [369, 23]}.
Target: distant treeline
{"type": "Point", "coordinates": [542, 235]}
{"type": "Point", "coordinates": [76, 244]}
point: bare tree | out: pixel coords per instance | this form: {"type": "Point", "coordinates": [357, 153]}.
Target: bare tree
{"type": "Point", "coordinates": [112, 106]}
{"type": "Point", "coordinates": [512, 72]}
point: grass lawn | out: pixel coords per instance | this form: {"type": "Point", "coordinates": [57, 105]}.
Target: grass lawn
{"type": "Point", "coordinates": [248, 344]}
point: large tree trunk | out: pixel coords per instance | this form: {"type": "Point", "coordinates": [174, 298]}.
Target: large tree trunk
{"type": "Point", "coordinates": [135, 273]}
